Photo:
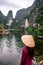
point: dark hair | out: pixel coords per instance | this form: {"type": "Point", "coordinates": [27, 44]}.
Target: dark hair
{"type": "Point", "coordinates": [31, 52]}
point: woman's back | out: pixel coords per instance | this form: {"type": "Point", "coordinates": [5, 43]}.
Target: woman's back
{"type": "Point", "coordinates": [26, 59]}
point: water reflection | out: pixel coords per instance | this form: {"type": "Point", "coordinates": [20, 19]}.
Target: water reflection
{"type": "Point", "coordinates": [10, 53]}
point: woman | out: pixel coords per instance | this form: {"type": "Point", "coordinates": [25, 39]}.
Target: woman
{"type": "Point", "coordinates": [28, 50]}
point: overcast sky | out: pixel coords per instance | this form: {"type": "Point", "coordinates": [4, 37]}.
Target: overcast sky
{"type": "Point", "coordinates": [14, 5]}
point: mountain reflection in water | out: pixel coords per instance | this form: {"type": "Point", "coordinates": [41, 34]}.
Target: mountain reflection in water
{"type": "Point", "coordinates": [9, 52]}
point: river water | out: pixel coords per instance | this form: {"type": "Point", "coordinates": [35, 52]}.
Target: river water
{"type": "Point", "coordinates": [10, 53]}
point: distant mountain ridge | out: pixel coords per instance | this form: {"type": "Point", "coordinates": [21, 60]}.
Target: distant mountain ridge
{"type": "Point", "coordinates": [1, 15]}
{"type": "Point", "coordinates": [31, 13]}
{"type": "Point", "coordinates": [22, 13]}
{"type": "Point", "coordinates": [4, 19]}
{"type": "Point", "coordinates": [10, 14]}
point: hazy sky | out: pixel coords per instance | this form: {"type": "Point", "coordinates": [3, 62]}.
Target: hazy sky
{"type": "Point", "coordinates": [14, 5]}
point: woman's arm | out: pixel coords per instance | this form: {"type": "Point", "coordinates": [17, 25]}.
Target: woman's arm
{"type": "Point", "coordinates": [23, 58]}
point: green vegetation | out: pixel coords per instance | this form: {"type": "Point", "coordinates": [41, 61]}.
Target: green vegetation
{"type": "Point", "coordinates": [38, 41]}
{"type": "Point", "coordinates": [1, 26]}
{"type": "Point", "coordinates": [30, 29]}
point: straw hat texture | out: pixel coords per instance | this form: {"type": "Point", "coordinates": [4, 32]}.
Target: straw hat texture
{"type": "Point", "coordinates": [28, 40]}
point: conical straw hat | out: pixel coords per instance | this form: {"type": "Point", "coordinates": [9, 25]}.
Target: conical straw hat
{"type": "Point", "coordinates": [28, 40]}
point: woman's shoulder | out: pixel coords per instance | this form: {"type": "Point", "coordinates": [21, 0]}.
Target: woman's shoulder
{"type": "Point", "coordinates": [25, 49]}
